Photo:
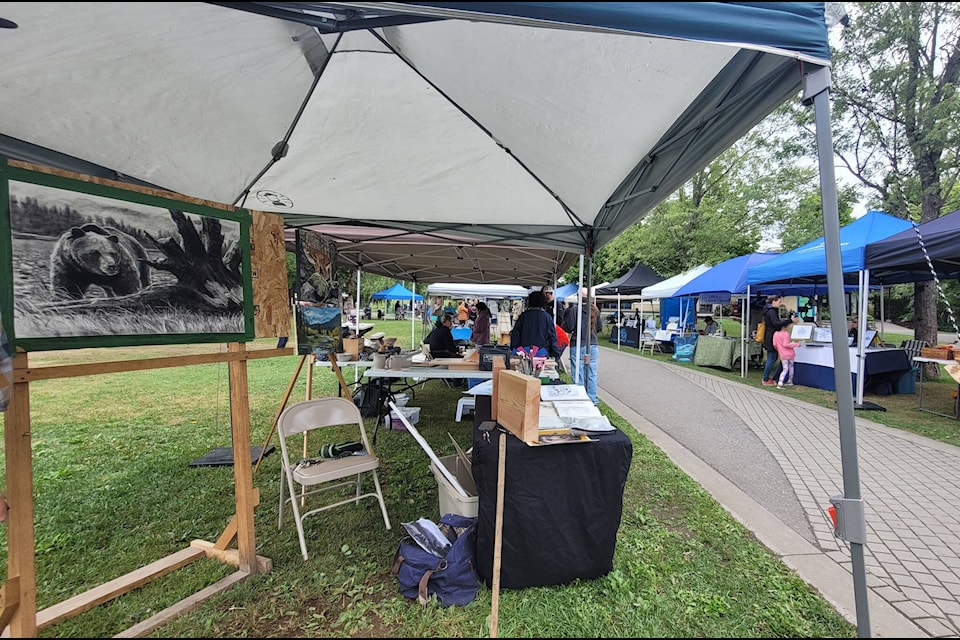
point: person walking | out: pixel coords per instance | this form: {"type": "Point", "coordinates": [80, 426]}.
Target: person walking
{"type": "Point", "coordinates": [480, 334]}
{"type": "Point", "coordinates": [786, 350]}
{"type": "Point", "coordinates": [583, 361]}
{"type": "Point", "coordinates": [771, 324]}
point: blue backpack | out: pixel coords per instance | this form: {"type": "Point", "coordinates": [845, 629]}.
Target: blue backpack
{"type": "Point", "coordinates": [452, 579]}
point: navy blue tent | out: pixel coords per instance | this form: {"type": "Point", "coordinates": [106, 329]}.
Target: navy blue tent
{"type": "Point", "coordinates": [396, 292]}
{"type": "Point", "coordinates": [900, 258]}
{"type": "Point", "coordinates": [632, 282]}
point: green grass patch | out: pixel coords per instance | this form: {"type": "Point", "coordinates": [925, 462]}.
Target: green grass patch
{"type": "Point", "coordinates": [114, 492]}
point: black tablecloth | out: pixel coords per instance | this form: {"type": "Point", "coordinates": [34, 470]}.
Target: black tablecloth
{"type": "Point", "coordinates": [562, 507]}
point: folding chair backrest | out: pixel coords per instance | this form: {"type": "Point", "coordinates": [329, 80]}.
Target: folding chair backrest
{"type": "Point", "coordinates": [321, 412]}
{"type": "Point", "coordinates": [913, 347]}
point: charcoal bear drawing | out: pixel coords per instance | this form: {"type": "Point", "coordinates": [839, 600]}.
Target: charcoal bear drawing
{"type": "Point", "coordinates": [95, 255]}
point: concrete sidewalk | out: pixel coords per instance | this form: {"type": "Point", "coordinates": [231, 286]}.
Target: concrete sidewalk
{"type": "Point", "coordinates": [773, 462]}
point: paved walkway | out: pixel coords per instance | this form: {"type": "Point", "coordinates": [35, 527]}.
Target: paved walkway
{"type": "Point", "coordinates": [774, 461]}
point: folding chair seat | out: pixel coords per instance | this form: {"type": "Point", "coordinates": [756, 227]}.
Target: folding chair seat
{"type": "Point", "coordinates": [318, 475]}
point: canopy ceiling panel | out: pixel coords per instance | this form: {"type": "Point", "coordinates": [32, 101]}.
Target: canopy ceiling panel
{"type": "Point", "coordinates": [543, 124]}
{"type": "Point", "coordinates": [437, 257]}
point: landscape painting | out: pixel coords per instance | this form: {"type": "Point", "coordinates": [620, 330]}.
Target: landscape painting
{"type": "Point", "coordinates": [319, 313]}
{"type": "Point", "coordinates": [87, 265]}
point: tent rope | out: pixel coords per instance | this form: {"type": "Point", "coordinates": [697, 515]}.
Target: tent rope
{"type": "Point", "coordinates": [936, 279]}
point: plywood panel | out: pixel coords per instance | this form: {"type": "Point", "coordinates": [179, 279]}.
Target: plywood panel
{"type": "Point", "coordinates": [271, 299]}
{"type": "Point", "coordinates": [518, 404]}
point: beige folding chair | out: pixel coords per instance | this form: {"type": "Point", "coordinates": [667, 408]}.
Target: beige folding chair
{"type": "Point", "coordinates": [318, 475]}
{"type": "Point", "coordinates": [648, 342]}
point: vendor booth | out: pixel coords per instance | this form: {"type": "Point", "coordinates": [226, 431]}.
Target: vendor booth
{"type": "Point", "coordinates": [562, 506]}
{"type": "Point", "coordinates": [883, 368]}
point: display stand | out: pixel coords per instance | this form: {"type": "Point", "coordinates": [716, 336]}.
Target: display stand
{"type": "Point", "coordinates": [19, 591]}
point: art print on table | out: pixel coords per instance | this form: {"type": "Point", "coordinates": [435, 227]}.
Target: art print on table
{"type": "Point", "coordinates": [85, 264]}
{"type": "Point", "coordinates": [319, 312]}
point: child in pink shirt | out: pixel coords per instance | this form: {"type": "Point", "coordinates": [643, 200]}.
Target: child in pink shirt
{"type": "Point", "coordinates": [785, 349]}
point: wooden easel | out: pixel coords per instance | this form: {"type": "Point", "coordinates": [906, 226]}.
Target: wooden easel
{"type": "Point", "coordinates": [18, 595]}
{"type": "Point", "coordinates": [344, 388]}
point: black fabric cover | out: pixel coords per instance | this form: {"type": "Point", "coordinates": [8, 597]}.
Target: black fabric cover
{"type": "Point", "coordinates": [900, 258]}
{"type": "Point", "coordinates": [223, 456]}
{"type": "Point", "coordinates": [562, 508]}
{"type": "Point", "coordinates": [632, 282]}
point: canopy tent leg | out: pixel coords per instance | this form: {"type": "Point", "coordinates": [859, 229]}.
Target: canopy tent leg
{"type": "Point", "coordinates": [816, 91]}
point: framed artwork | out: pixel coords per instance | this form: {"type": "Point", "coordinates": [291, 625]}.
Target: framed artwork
{"type": "Point", "coordinates": [319, 313]}
{"type": "Point", "coordinates": [84, 264]}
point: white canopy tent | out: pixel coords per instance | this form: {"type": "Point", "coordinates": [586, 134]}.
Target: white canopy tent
{"type": "Point", "coordinates": [668, 287]}
{"type": "Point", "coordinates": [456, 290]}
{"type": "Point", "coordinates": [476, 119]}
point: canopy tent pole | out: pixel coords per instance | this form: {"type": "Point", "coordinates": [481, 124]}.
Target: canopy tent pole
{"type": "Point", "coordinates": [619, 319]}
{"type": "Point", "coordinates": [413, 315]}
{"type": "Point", "coordinates": [744, 325]}
{"type": "Point", "coordinates": [356, 308]}
{"type": "Point", "coordinates": [575, 370]}
{"type": "Point", "coordinates": [816, 91]}
{"type": "Point", "coordinates": [883, 317]}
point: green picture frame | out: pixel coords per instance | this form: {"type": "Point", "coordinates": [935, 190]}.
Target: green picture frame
{"type": "Point", "coordinates": [85, 264]}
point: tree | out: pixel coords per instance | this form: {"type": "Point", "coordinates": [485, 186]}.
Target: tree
{"type": "Point", "coordinates": [895, 95]}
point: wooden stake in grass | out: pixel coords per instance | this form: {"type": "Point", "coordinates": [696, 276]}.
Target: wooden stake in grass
{"type": "Point", "coordinates": [498, 539]}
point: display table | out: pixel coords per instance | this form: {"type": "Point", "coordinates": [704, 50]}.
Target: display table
{"type": "Point", "coordinates": [882, 367]}
{"type": "Point", "coordinates": [562, 506]}
{"type": "Point", "coordinates": [627, 335]}
{"type": "Point", "coordinates": [716, 351]}
{"type": "Point", "coordinates": [956, 402]}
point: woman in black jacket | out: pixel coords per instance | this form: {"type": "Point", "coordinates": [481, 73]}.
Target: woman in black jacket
{"type": "Point", "coordinates": [772, 323]}
{"type": "Point", "coordinates": [442, 344]}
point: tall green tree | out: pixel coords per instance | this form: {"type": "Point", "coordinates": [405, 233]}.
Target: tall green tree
{"type": "Point", "coordinates": [896, 68]}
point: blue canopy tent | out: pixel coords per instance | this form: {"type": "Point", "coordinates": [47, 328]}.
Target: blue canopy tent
{"type": "Point", "coordinates": [399, 292]}
{"type": "Point", "coordinates": [729, 278]}
{"type": "Point", "coordinates": [807, 265]}
{"type": "Point", "coordinates": [565, 291]}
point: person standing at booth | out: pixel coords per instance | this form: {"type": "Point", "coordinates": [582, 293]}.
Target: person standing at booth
{"type": "Point", "coordinates": [772, 323]}
{"type": "Point", "coordinates": [535, 327]}
{"type": "Point", "coordinates": [583, 362]}
{"type": "Point", "coordinates": [480, 334]}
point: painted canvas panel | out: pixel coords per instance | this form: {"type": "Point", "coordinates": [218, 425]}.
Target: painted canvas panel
{"type": "Point", "coordinates": [87, 264]}
{"type": "Point", "coordinates": [319, 314]}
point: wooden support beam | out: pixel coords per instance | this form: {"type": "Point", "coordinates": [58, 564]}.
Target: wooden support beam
{"type": "Point", "coordinates": [116, 587]}
{"type": "Point", "coordinates": [187, 604]}
{"type": "Point", "coordinates": [230, 556]}
{"type": "Point", "coordinates": [121, 366]}
{"type": "Point", "coordinates": [242, 473]}
{"type": "Point", "coordinates": [21, 541]}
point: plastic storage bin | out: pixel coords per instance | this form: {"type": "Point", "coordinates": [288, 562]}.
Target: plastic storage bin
{"type": "Point", "coordinates": [907, 383]}
{"type": "Point", "coordinates": [450, 500]}
{"type": "Point", "coordinates": [412, 414]}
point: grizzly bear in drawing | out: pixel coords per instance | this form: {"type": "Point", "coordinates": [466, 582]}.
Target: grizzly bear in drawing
{"type": "Point", "coordinates": [95, 255]}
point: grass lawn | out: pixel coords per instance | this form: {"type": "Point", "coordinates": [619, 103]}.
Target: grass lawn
{"type": "Point", "coordinates": [114, 492]}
